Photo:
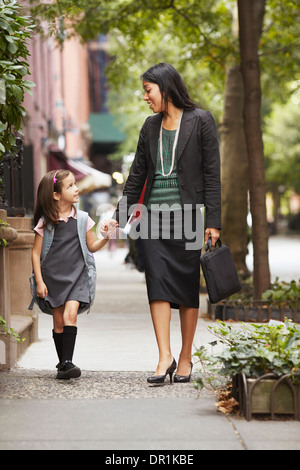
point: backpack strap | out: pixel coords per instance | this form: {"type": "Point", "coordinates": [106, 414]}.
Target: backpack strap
{"type": "Point", "coordinates": [48, 236]}
{"type": "Point", "coordinates": [82, 218]}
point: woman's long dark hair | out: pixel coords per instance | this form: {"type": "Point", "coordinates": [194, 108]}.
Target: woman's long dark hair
{"type": "Point", "coordinates": [171, 85]}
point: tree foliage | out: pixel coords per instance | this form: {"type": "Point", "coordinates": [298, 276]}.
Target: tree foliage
{"type": "Point", "coordinates": [206, 44]}
{"type": "Point", "coordinates": [15, 30]}
{"type": "Point", "coordinates": [282, 146]}
{"type": "Point", "coordinates": [204, 28]}
{"type": "Point", "coordinates": [196, 37]}
{"type": "Point", "coordinates": [135, 18]}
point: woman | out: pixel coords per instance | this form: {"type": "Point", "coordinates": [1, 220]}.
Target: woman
{"type": "Point", "coordinates": [178, 157]}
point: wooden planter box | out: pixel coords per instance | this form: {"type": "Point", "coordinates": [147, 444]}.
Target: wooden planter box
{"type": "Point", "coordinates": [268, 394]}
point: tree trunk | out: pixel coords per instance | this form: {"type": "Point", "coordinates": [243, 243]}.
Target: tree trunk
{"type": "Point", "coordinates": [276, 207]}
{"type": "Point", "coordinates": [252, 106]}
{"type": "Point", "coordinates": [234, 170]}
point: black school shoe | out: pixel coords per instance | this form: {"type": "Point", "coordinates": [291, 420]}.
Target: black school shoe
{"type": "Point", "coordinates": [68, 370]}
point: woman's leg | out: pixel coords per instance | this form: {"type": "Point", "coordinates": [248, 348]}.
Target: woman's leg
{"type": "Point", "coordinates": [188, 322]}
{"type": "Point", "coordinates": [161, 317]}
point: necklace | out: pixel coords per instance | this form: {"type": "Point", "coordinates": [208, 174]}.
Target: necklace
{"type": "Point", "coordinates": [173, 149]}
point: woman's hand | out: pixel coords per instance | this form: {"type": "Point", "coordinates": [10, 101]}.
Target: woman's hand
{"type": "Point", "coordinates": [213, 233]}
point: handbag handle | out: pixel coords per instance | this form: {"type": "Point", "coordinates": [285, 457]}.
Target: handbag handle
{"type": "Point", "coordinates": [208, 246]}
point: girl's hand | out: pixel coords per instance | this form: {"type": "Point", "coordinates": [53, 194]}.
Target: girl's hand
{"type": "Point", "coordinates": [108, 227]}
{"type": "Point", "coordinates": [41, 290]}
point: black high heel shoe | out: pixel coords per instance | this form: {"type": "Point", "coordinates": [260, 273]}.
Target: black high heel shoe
{"type": "Point", "coordinates": [183, 378]}
{"type": "Point", "coordinates": [159, 379]}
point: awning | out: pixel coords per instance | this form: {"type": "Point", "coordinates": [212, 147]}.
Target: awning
{"type": "Point", "coordinates": [88, 179]}
{"type": "Point", "coordinates": [104, 129]}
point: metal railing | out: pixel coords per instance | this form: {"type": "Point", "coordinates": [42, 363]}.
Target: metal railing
{"type": "Point", "coordinates": [243, 392]}
{"type": "Point", "coordinates": [257, 311]}
{"type": "Point", "coordinates": [11, 181]}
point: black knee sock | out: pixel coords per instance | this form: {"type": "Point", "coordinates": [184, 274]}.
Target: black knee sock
{"type": "Point", "coordinates": [58, 341]}
{"type": "Point", "coordinates": [69, 338]}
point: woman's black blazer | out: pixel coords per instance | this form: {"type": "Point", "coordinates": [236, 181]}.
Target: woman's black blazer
{"type": "Point", "coordinates": [198, 165]}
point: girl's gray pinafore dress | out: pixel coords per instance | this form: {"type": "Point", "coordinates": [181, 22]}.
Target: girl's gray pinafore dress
{"type": "Point", "coordinates": [63, 269]}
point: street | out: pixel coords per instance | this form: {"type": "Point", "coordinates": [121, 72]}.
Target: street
{"type": "Point", "coordinates": [284, 257]}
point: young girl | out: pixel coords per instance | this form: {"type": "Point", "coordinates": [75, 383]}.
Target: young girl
{"type": "Point", "coordinates": [61, 279]}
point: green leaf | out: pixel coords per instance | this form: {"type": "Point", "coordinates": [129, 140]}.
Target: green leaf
{"type": "Point", "coordinates": [9, 39]}
{"type": "Point", "coordinates": [9, 77]}
{"type": "Point", "coordinates": [17, 92]}
{"type": "Point", "coordinates": [2, 45]}
{"type": "Point", "coordinates": [12, 48]}
{"type": "Point", "coordinates": [28, 83]}
{"type": "Point", "coordinates": [6, 63]}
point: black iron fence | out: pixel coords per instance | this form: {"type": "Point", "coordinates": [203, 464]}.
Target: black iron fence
{"type": "Point", "coordinates": [11, 181]}
{"type": "Point", "coordinates": [260, 311]}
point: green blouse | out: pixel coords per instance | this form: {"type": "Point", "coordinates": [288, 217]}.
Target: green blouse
{"type": "Point", "coordinates": [165, 189]}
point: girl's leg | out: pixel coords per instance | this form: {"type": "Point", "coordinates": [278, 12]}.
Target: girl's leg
{"type": "Point", "coordinates": [57, 332]}
{"type": "Point", "coordinates": [70, 329]}
{"type": "Point", "coordinates": [161, 317]}
{"type": "Point", "coordinates": [65, 315]}
{"type": "Point", "coordinates": [64, 334]}
{"type": "Point", "coordinates": [58, 319]}
{"type": "Point", "coordinates": [70, 313]}
{"type": "Point", "coordinates": [188, 322]}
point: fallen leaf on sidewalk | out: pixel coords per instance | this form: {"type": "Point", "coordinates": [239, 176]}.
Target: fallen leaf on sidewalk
{"type": "Point", "coordinates": [228, 406]}
{"type": "Point", "coordinates": [226, 403]}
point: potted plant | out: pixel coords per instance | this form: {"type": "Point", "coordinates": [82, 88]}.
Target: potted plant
{"type": "Point", "coordinates": [281, 300]}
{"type": "Point", "coordinates": [260, 361]}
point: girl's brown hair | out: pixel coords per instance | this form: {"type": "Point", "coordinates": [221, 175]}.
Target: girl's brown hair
{"type": "Point", "coordinates": [46, 205]}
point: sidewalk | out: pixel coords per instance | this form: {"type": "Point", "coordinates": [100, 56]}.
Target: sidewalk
{"type": "Point", "coordinates": [111, 407]}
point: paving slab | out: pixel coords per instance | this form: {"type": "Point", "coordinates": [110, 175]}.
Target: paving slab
{"type": "Point", "coordinates": [130, 424]}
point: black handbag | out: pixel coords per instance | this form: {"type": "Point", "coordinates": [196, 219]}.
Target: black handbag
{"type": "Point", "coordinates": [219, 271]}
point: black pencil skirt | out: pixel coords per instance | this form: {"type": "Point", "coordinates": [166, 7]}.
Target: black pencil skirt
{"type": "Point", "coordinates": [171, 246]}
